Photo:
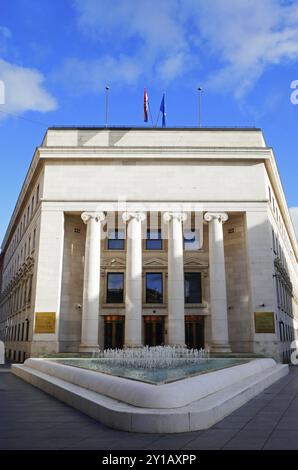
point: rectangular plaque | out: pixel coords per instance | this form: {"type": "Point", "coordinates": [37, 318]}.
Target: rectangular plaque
{"type": "Point", "coordinates": [45, 322]}
{"type": "Point", "coordinates": [264, 322]}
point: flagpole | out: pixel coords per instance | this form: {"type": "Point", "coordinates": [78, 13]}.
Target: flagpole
{"type": "Point", "coordinates": [157, 118]}
{"type": "Point", "coordinates": [151, 118]}
{"type": "Point", "coordinates": [107, 104]}
{"type": "Point", "coordinates": [200, 89]}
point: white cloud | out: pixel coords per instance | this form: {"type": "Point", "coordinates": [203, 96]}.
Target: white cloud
{"type": "Point", "coordinates": [24, 90]}
{"type": "Point", "coordinates": [169, 37]}
{"type": "Point", "coordinates": [247, 37]}
{"type": "Point", "coordinates": [89, 75]}
{"type": "Point", "coordinates": [294, 216]}
{"type": "Point", "coordinates": [157, 37]}
{"type": "Point", "coordinates": [160, 29]}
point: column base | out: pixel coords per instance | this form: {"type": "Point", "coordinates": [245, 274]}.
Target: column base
{"type": "Point", "coordinates": [88, 348]}
{"type": "Point", "coordinates": [220, 348]}
{"type": "Point", "coordinates": [133, 346]}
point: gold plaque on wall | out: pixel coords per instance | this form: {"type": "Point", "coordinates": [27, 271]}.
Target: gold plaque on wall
{"type": "Point", "coordinates": [264, 322]}
{"type": "Point", "coordinates": [45, 322]}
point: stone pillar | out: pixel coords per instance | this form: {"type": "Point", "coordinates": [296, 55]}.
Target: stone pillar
{"type": "Point", "coordinates": [176, 321]}
{"type": "Point", "coordinates": [90, 308]}
{"type": "Point", "coordinates": [133, 284]}
{"type": "Point", "coordinates": [218, 293]}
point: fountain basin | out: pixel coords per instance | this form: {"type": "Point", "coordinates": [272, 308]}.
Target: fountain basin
{"type": "Point", "coordinates": [192, 403]}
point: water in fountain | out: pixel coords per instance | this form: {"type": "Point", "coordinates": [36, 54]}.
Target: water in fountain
{"type": "Point", "coordinates": [157, 357]}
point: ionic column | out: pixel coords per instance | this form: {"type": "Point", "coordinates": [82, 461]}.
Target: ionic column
{"type": "Point", "coordinates": [133, 284]}
{"type": "Point", "coordinates": [176, 322]}
{"type": "Point", "coordinates": [218, 293]}
{"type": "Point", "coordinates": [90, 307]}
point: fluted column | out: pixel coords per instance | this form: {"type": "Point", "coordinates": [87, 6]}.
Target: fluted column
{"type": "Point", "coordinates": [218, 293]}
{"type": "Point", "coordinates": [133, 284]}
{"type": "Point", "coordinates": [90, 308]}
{"type": "Point", "coordinates": [176, 322]}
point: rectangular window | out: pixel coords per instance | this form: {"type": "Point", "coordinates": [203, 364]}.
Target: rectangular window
{"type": "Point", "coordinates": [154, 288]}
{"type": "Point", "coordinates": [115, 287]}
{"type": "Point", "coordinates": [116, 239]}
{"type": "Point", "coordinates": [193, 288]}
{"type": "Point", "coordinates": [153, 241]}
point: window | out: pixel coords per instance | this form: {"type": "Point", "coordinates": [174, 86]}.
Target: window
{"type": "Point", "coordinates": [153, 241]}
{"type": "Point", "coordinates": [37, 195]}
{"type": "Point", "coordinates": [191, 240]}
{"type": "Point", "coordinates": [116, 239]}
{"type": "Point", "coordinates": [154, 288]}
{"type": "Point", "coordinates": [115, 285]}
{"type": "Point", "coordinates": [193, 288]}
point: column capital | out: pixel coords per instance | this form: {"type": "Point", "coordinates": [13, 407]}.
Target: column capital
{"type": "Point", "coordinates": [180, 216]}
{"type": "Point", "coordinates": [139, 216]}
{"type": "Point", "coordinates": [220, 216]}
{"type": "Point", "coordinates": [98, 216]}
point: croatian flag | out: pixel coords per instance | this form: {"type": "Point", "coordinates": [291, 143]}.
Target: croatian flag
{"type": "Point", "coordinates": [163, 110]}
{"type": "Point", "coordinates": [145, 105]}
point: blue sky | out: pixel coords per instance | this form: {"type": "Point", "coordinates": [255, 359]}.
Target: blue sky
{"type": "Point", "coordinates": [57, 55]}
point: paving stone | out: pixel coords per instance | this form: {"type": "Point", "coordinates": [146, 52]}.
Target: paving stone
{"type": "Point", "coordinates": [31, 419]}
{"type": "Point", "coordinates": [248, 439]}
{"type": "Point", "coordinates": [211, 439]}
{"type": "Point", "coordinates": [282, 439]}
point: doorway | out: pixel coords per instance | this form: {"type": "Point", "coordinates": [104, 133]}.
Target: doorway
{"type": "Point", "coordinates": [113, 331]}
{"type": "Point", "coordinates": [153, 330]}
{"type": "Point", "coordinates": [194, 331]}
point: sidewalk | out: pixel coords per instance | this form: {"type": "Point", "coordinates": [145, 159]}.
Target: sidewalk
{"type": "Point", "coordinates": [31, 419]}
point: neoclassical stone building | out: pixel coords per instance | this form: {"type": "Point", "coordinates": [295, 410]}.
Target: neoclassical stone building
{"type": "Point", "coordinates": [122, 237]}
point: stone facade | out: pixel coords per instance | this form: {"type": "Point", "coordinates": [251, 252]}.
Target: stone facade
{"type": "Point", "coordinates": [56, 259]}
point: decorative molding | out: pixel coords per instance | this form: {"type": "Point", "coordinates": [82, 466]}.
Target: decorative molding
{"type": "Point", "coordinates": [152, 262]}
{"type": "Point", "coordinates": [180, 216]}
{"type": "Point", "coordinates": [114, 263]}
{"type": "Point", "coordinates": [97, 216]}
{"type": "Point", "coordinates": [195, 263]}
{"type": "Point", "coordinates": [139, 216]}
{"type": "Point", "coordinates": [220, 216]}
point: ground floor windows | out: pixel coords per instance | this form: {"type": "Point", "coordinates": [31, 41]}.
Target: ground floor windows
{"type": "Point", "coordinates": [154, 288]}
{"type": "Point", "coordinates": [154, 330]}
{"type": "Point", "coordinates": [193, 288]}
{"type": "Point", "coordinates": [115, 288]}
{"type": "Point", "coordinates": [114, 332]}
{"type": "Point", "coordinates": [194, 331]}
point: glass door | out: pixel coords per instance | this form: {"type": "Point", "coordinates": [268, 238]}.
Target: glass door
{"type": "Point", "coordinates": [114, 331]}
{"type": "Point", "coordinates": [154, 330]}
{"type": "Point", "coordinates": [194, 331]}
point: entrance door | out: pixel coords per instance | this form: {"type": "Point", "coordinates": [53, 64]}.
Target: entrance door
{"type": "Point", "coordinates": [194, 331]}
{"type": "Point", "coordinates": [114, 331]}
{"type": "Point", "coordinates": [154, 330]}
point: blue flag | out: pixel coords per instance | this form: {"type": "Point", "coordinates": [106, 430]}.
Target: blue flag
{"type": "Point", "coordinates": [163, 110]}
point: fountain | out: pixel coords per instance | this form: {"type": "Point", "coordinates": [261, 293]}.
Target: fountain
{"type": "Point", "coordinates": [156, 357]}
{"type": "Point", "coordinates": [161, 389]}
